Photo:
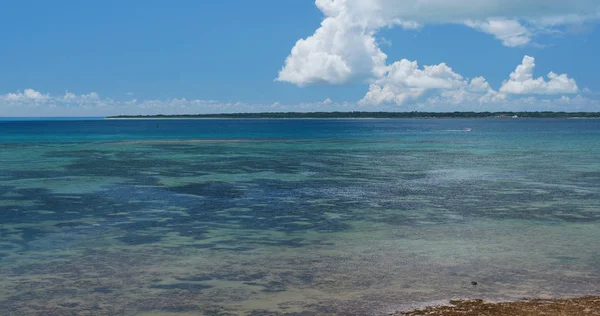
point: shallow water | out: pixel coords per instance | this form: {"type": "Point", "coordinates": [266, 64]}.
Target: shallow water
{"type": "Point", "coordinates": [294, 217]}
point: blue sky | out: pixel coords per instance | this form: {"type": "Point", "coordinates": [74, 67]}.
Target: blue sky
{"type": "Point", "coordinates": [62, 58]}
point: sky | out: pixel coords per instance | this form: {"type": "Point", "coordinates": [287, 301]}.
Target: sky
{"type": "Point", "coordinates": [96, 58]}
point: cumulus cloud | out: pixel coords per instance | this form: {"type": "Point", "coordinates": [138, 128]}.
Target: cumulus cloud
{"type": "Point", "coordinates": [522, 82]}
{"type": "Point", "coordinates": [341, 49]}
{"type": "Point", "coordinates": [477, 92]}
{"type": "Point", "coordinates": [344, 47]}
{"type": "Point", "coordinates": [406, 82]}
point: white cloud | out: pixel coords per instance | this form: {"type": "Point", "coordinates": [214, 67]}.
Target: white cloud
{"type": "Point", "coordinates": [468, 95]}
{"type": "Point", "coordinates": [340, 50]}
{"type": "Point", "coordinates": [522, 82]}
{"type": "Point", "coordinates": [34, 103]}
{"type": "Point", "coordinates": [27, 94]}
{"type": "Point", "coordinates": [479, 84]}
{"type": "Point", "coordinates": [69, 96]}
{"type": "Point", "coordinates": [344, 47]}
{"type": "Point", "coordinates": [510, 32]}
{"type": "Point", "coordinates": [405, 82]}
{"type": "Point", "coordinates": [477, 92]}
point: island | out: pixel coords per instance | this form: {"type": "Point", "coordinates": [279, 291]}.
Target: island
{"type": "Point", "coordinates": [355, 114]}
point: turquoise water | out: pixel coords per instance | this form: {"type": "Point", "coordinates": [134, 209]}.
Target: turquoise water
{"type": "Point", "coordinates": [294, 217]}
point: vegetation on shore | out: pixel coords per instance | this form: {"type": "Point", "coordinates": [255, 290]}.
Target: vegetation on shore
{"type": "Point", "coordinates": [373, 115]}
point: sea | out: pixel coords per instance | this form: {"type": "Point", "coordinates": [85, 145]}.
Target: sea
{"type": "Point", "coordinates": [294, 217]}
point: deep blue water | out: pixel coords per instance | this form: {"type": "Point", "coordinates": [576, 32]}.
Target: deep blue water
{"type": "Point", "coordinates": [268, 217]}
{"type": "Point", "coordinates": [93, 129]}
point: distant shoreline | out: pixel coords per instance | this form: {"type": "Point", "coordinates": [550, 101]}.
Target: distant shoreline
{"type": "Point", "coordinates": [368, 115]}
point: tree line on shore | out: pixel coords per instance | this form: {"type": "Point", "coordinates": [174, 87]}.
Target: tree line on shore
{"type": "Point", "coordinates": [546, 114]}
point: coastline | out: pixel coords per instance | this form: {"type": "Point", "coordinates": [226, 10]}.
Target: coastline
{"type": "Point", "coordinates": [365, 115]}
{"type": "Point", "coordinates": [578, 306]}
{"type": "Point", "coordinates": [257, 118]}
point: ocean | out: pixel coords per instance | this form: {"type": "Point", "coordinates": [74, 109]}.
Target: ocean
{"type": "Point", "coordinates": [294, 216]}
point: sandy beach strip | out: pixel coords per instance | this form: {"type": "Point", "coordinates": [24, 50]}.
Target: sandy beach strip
{"type": "Point", "coordinates": [583, 306]}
